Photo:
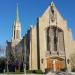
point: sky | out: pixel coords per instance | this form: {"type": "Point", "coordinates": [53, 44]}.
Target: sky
{"type": "Point", "coordinates": [29, 10]}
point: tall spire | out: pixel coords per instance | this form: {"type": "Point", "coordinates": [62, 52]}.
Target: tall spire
{"type": "Point", "coordinates": [17, 13]}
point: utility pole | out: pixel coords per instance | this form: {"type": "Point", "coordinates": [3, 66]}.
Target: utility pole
{"type": "Point", "coordinates": [24, 55]}
{"type": "Point", "coordinates": [7, 55]}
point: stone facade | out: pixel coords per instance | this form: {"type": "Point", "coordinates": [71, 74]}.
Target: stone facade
{"type": "Point", "coordinates": [50, 42]}
{"type": "Point", "coordinates": [47, 46]}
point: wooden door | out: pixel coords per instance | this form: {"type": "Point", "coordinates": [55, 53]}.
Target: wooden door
{"type": "Point", "coordinates": [49, 64]}
{"type": "Point", "coordinates": [58, 65]}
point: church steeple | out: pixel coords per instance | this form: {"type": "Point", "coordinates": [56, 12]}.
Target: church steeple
{"type": "Point", "coordinates": [17, 13]}
{"type": "Point", "coordinates": [17, 27]}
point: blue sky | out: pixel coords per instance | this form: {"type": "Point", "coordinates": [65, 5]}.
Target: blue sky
{"type": "Point", "coordinates": [29, 10]}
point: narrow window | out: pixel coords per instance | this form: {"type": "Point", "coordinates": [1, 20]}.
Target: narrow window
{"type": "Point", "coordinates": [42, 60]}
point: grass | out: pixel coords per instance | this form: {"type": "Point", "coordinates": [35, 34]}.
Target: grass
{"type": "Point", "coordinates": [34, 71]}
{"type": "Point", "coordinates": [13, 73]}
{"type": "Point", "coordinates": [17, 72]}
{"type": "Point", "coordinates": [27, 72]}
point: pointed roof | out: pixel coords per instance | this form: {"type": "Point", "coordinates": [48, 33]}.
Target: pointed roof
{"type": "Point", "coordinates": [52, 4]}
{"type": "Point", "coordinates": [48, 9]}
{"type": "Point", "coordinates": [17, 13]}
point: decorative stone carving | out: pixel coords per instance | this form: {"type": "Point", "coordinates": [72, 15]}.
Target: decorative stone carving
{"type": "Point", "coordinates": [52, 13]}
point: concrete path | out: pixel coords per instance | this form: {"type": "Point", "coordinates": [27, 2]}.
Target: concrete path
{"type": "Point", "coordinates": [62, 73]}
{"type": "Point", "coordinates": [50, 73]}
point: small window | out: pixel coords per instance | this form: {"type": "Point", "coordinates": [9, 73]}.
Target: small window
{"type": "Point", "coordinates": [68, 61]}
{"type": "Point", "coordinates": [14, 34]}
{"type": "Point", "coordinates": [17, 34]}
{"type": "Point", "coordinates": [42, 60]}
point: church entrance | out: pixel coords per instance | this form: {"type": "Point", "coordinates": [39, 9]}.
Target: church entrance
{"type": "Point", "coordinates": [54, 65]}
{"type": "Point", "coordinates": [57, 65]}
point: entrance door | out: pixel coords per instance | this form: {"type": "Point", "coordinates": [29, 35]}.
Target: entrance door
{"type": "Point", "coordinates": [49, 64]}
{"type": "Point", "coordinates": [54, 65]}
{"type": "Point", "coordinates": [57, 65]}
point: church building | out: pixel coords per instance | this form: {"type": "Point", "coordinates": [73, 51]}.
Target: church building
{"type": "Point", "coordinates": [49, 44]}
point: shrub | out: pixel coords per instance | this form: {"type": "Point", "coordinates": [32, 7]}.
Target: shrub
{"type": "Point", "coordinates": [64, 69]}
{"type": "Point", "coordinates": [29, 71]}
{"type": "Point", "coordinates": [34, 71]}
{"type": "Point", "coordinates": [73, 70]}
{"type": "Point", "coordinates": [38, 72]}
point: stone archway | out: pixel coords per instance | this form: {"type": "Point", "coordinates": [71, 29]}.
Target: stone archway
{"type": "Point", "coordinates": [54, 65]}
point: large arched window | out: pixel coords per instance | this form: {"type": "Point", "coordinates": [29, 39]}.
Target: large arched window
{"type": "Point", "coordinates": [55, 39]}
